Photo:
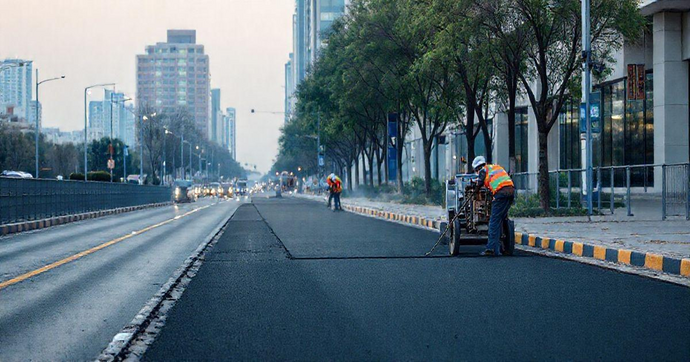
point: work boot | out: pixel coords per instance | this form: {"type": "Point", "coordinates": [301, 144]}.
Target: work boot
{"type": "Point", "coordinates": [487, 252]}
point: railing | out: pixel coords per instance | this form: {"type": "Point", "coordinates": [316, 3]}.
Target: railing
{"type": "Point", "coordinates": [35, 199]}
{"type": "Point", "coordinates": [618, 185]}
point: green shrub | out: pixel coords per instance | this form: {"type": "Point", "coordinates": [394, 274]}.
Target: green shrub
{"type": "Point", "coordinates": [99, 176]}
{"type": "Point", "coordinates": [76, 176]}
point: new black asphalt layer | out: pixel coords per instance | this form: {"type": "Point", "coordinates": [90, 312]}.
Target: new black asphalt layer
{"type": "Point", "coordinates": [250, 301]}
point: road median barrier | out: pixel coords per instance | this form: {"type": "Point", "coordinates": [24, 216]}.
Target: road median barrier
{"type": "Point", "coordinates": [59, 220]}
{"type": "Point", "coordinates": [529, 242]}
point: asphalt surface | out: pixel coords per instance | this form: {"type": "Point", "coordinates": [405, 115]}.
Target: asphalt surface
{"type": "Point", "coordinates": [291, 280]}
{"type": "Point", "coordinates": [73, 311]}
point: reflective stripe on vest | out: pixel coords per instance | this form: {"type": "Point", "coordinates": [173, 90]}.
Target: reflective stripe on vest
{"type": "Point", "coordinates": [496, 178]}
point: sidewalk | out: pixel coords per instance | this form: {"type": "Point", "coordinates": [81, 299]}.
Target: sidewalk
{"type": "Point", "coordinates": [617, 238]}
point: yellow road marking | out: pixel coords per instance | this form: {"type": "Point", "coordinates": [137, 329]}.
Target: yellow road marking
{"type": "Point", "coordinates": [84, 253]}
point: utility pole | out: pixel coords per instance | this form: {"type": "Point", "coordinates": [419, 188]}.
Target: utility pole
{"type": "Point", "coordinates": [184, 172]}
{"type": "Point", "coordinates": [586, 85]}
{"type": "Point", "coordinates": [165, 135]}
{"type": "Point", "coordinates": [36, 130]}
{"type": "Point", "coordinates": [111, 148]}
{"type": "Point", "coordinates": [124, 162]}
{"type": "Point", "coordinates": [318, 142]}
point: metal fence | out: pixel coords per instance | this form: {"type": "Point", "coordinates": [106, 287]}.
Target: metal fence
{"type": "Point", "coordinates": [662, 187]}
{"type": "Point", "coordinates": [35, 199]}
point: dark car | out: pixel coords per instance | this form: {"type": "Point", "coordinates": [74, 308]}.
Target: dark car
{"type": "Point", "coordinates": [182, 191]}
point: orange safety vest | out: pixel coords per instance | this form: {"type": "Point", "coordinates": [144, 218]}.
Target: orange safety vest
{"type": "Point", "coordinates": [337, 185]}
{"type": "Point", "coordinates": [496, 178]}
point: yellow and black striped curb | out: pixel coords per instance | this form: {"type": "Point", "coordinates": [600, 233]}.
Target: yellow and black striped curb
{"type": "Point", "coordinates": [59, 220]}
{"type": "Point", "coordinates": [645, 260]}
{"type": "Point", "coordinates": [415, 220]}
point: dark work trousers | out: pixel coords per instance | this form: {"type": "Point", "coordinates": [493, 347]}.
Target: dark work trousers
{"type": "Point", "coordinates": [336, 196]}
{"type": "Point", "coordinates": [330, 198]}
{"type": "Point", "coordinates": [499, 211]}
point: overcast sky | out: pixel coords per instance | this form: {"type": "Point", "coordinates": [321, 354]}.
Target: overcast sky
{"type": "Point", "coordinates": [95, 41]}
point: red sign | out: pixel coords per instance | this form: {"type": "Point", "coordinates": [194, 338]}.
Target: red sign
{"type": "Point", "coordinates": [111, 164]}
{"type": "Point", "coordinates": [632, 82]}
{"type": "Point", "coordinates": [640, 81]}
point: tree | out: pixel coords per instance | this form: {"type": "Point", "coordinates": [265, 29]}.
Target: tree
{"type": "Point", "coordinates": [553, 50]}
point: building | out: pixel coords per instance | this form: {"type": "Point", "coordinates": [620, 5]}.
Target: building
{"type": "Point", "coordinates": [122, 123]}
{"type": "Point", "coordinates": [311, 24]}
{"type": "Point", "coordinates": [16, 85]}
{"type": "Point", "coordinates": [216, 127]}
{"type": "Point", "coordinates": [174, 75]}
{"type": "Point", "coordinates": [231, 129]}
{"type": "Point", "coordinates": [54, 135]}
{"type": "Point", "coordinates": [32, 113]}
{"type": "Point", "coordinates": [289, 88]}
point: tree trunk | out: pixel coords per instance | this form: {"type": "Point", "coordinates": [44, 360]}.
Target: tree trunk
{"type": "Point", "coordinates": [512, 95]}
{"type": "Point", "coordinates": [544, 187]}
{"type": "Point", "coordinates": [356, 183]}
{"type": "Point", "coordinates": [370, 161]}
{"type": "Point", "coordinates": [427, 146]}
{"type": "Point", "coordinates": [379, 174]}
{"type": "Point", "coordinates": [349, 175]}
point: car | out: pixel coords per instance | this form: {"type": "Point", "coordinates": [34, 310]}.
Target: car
{"type": "Point", "coordinates": [16, 174]}
{"type": "Point", "coordinates": [241, 187]}
{"type": "Point", "coordinates": [215, 189]}
{"type": "Point", "coordinates": [183, 191]}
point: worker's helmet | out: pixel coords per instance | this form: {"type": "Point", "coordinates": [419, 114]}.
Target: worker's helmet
{"type": "Point", "coordinates": [331, 176]}
{"type": "Point", "coordinates": [478, 162]}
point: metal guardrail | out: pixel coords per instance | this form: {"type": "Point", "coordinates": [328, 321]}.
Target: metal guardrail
{"type": "Point", "coordinates": [615, 184]}
{"type": "Point", "coordinates": [35, 199]}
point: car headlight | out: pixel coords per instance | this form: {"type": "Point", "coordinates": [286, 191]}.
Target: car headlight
{"type": "Point", "coordinates": [177, 192]}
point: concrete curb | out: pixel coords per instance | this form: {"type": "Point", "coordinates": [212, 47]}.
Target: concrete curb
{"type": "Point", "coordinates": [59, 220]}
{"type": "Point", "coordinates": [646, 260]}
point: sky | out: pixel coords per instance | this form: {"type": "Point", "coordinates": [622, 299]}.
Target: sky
{"type": "Point", "coordinates": [96, 41]}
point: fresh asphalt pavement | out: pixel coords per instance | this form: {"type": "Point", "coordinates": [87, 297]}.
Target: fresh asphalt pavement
{"type": "Point", "coordinates": [290, 280]}
{"type": "Point", "coordinates": [73, 311]}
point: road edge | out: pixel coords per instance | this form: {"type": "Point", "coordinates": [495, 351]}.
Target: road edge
{"type": "Point", "coordinates": [135, 337]}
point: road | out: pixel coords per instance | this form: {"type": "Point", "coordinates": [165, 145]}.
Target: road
{"type": "Point", "coordinates": [73, 310]}
{"type": "Point", "coordinates": [290, 280]}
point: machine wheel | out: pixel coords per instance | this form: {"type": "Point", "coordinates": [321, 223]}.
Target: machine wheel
{"type": "Point", "coordinates": [508, 237]}
{"type": "Point", "coordinates": [454, 243]}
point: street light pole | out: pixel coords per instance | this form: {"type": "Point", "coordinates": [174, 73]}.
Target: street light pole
{"type": "Point", "coordinates": [38, 128]}
{"type": "Point", "coordinates": [586, 84]}
{"type": "Point", "coordinates": [165, 134]}
{"type": "Point", "coordinates": [111, 148]}
{"type": "Point", "coordinates": [184, 171]}
{"type": "Point", "coordinates": [86, 132]}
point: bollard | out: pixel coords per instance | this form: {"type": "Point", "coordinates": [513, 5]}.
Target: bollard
{"type": "Point", "coordinates": [627, 182]}
{"type": "Point", "coordinates": [569, 188]}
{"type": "Point", "coordinates": [612, 191]}
{"type": "Point", "coordinates": [558, 189]}
{"type": "Point", "coordinates": [599, 189]}
{"type": "Point", "coordinates": [663, 192]}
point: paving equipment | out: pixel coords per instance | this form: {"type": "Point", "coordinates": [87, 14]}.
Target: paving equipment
{"type": "Point", "coordinates": [469, 210]}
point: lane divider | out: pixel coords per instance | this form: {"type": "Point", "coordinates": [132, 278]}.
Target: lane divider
{"type": "Point", "coordinates": [84, 253]}
{"type": "Point", "coordinates": [647, 260]}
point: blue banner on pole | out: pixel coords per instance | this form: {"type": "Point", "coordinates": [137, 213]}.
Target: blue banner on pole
{"type": "Point", "coordinates": [594, 113]}
{"type": "Point", "coordinates": [392, 146]}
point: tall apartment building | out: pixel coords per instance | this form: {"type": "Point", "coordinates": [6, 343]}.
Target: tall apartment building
{"type": "Point", "coordinates": [311, 25]}
{"type": "Point", "coordinates": [231, 131]}
{"type": "Point", "coordinates": [174, 75]}
{"type": "Point", "coordinates": [215, 133]}
{"type": "Point", "coordinates": [16, 88]}
{"type": "Point", "coordinates": [122, 121]}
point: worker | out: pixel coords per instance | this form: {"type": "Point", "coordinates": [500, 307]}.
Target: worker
{"type": "Point", "coordinates": [497, 180]}
{"type": "Point", "coordinates": [337, 190]}
{"type": "Point", "coordinates": [331, 194]}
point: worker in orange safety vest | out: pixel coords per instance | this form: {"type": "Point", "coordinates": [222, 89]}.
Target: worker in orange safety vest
{"type": "Point", "coordinates": [496, 179]}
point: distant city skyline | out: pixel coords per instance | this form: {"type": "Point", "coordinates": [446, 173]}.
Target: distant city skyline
{"type": "Point", "coordinates": [86, 41]}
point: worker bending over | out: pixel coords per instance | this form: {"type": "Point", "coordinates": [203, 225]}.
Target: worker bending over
{"type": "Point", "coordinates": [335, 188]}
{"type": "Point", "coordinates": [496, 179]}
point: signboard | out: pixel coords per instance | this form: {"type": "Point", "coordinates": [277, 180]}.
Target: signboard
{"type": "Point", "coordinates": [126, 151]}
{"type": "Point", "coordinates": [111, 164]}
{"type": "Point", "coordinates": [321, 161]}
{"type": "Point", "coordinates": [392, 146]}
{"type": "Point", "coordinates": [636, 82]}
{"type": "Point", "coordinates": [594, 113]}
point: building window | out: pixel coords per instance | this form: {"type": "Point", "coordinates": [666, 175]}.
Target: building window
{"type": "Point", "coordinates": [569, 127]}
{"type": "Point", "coordinates": [521, 141]}
{"type": "Point", "coordinates": [627, 136]}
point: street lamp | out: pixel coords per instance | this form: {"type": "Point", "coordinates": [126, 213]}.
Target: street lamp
{"type": "Point", "coordinates": [141, 146]}
{"type": "Point", "coordinates": [37, 125]}
{"type": "Point", "coordinates": [86, 92]}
